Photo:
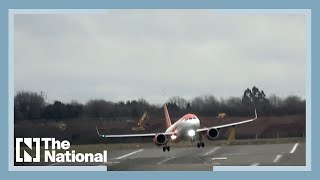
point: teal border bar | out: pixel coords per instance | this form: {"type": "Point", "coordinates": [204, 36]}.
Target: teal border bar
{"type": "Point", "coordinates": [12, 12]}
{"type": "Point", "coordinates": [167, 4]}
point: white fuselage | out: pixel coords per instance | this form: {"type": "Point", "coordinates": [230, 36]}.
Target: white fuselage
{"type": "Point", "coordinates": [185, 128]}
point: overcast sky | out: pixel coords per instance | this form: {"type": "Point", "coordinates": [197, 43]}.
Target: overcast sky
{"type": "Point", "coordinates": [156, 54]}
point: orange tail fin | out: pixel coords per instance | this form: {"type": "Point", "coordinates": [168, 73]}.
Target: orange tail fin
{"type": "Point", "coordinates": [166, 114]}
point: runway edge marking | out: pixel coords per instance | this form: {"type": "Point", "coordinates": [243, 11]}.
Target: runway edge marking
{"type": "Point", "coordinates": [213, 150]}
{"type": "Point", "coordinates": [165, 160]}
{"type": "Point", "coordinates": [294, 148]}
{"type": "Point", "coordinates": [278, 157]}
{"type": "Point", "coordinates": [219, 158]}
{"type": "Point", "coordinates": [129, 154]}
{"type": "Point", "coordinates": [255, 164]}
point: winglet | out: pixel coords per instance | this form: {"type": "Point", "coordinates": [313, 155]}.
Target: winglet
{"type": "Point", "coordinates": [98, 131]}
{"type": "Point", "coordinates": [255, 112]}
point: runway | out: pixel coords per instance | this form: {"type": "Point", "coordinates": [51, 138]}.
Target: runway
{"type": "Point", "coordinates": [203, 159]}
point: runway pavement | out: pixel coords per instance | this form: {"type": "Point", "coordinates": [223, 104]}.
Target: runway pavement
{"type": "Point", "coordinates": [203, 159]}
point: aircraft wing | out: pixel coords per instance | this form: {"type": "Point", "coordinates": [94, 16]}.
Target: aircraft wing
{"type": "Point", "coordinates": [231, 124]}
{"type": "Point", "coordinates": [132, 135]}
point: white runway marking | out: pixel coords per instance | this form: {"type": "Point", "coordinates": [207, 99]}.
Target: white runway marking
{"type": "Point", "coordinates": [294, 148]}
{"type": "Point", "coordinates": [212, 151]}
{"type": "Point", "coordinates": [278, 157]}
{"type": "Point", "coordinates": [126, 155]}
{"type": "Point", "coordinates": [255, 164]}
{"type": "Point", "coordinates": [165, 160]}
{"type": "Point", "coordinates": [216, 163]}
{"type": "Point", "coordinates": [220, 158]}
{"type": "Point", "coordinates": [235, 154]}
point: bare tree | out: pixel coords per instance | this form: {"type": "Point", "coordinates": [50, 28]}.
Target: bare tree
{"type": "Point", "coordinates": [275, 100]}
{"type": "Point", "coordinates": [179, 101]}
{"type": "Point", "coordinates": [98, 108]}
{"type": "Point", "coordinates": [28, 105]}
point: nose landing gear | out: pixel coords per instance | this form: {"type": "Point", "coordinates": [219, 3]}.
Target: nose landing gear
{"type": "Point", "coordinates": [200, 144]}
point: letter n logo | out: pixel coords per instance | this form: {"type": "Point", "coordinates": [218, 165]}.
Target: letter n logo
{"type": "Point", "coordinates": [26, 156]}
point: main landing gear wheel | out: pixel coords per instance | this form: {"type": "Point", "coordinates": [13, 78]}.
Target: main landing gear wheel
{"type": "Point", "coordinates": [201, 144]}
{"type": "Point", "coordinates": [164, 148]}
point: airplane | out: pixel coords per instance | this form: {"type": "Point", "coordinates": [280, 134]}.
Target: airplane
{"type": "Point", "coordinates": [186, 128]}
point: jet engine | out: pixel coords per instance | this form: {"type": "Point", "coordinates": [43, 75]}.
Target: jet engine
{"type": "Point", "coordinates": [212, 133]}
{"type": "Point", "coordinates": [160, 139]}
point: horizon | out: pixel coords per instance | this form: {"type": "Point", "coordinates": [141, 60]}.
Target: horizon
{"type": "Point", "coordinates": [219, 99]}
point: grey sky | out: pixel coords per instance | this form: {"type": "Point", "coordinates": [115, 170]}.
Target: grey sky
{"type": "Point", "coordinates": [156, 54]}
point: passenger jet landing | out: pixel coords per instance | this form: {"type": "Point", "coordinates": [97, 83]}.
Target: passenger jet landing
{"type": "Point", "coordinates": [187, 128]}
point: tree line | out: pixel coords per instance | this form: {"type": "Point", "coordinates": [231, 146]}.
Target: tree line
{"type": "Point", "coordinates": [33, 106]}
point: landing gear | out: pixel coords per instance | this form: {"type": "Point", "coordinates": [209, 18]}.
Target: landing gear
{"type": "Point", "coordinates": [200, 144]}
{"type": "Point", "coordinates": [164, 148]}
